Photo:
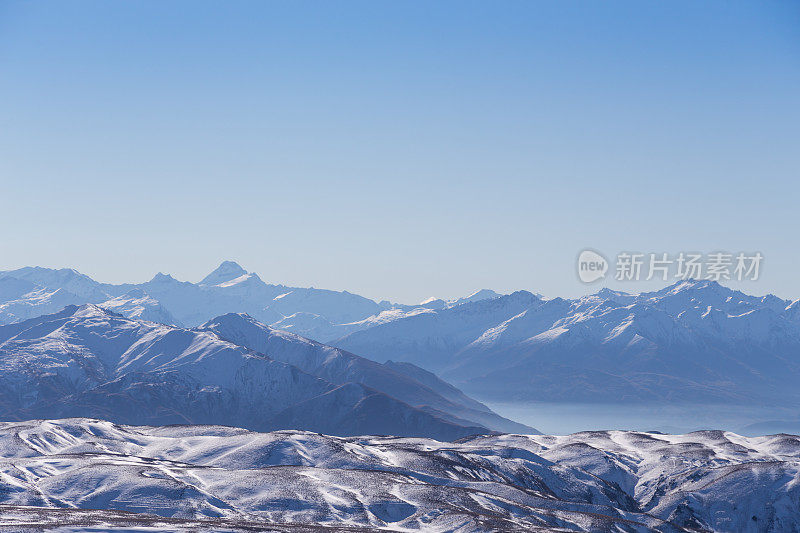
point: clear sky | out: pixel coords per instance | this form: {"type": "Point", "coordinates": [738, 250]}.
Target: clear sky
{"type": "Point", "coordinates": [398, 150]}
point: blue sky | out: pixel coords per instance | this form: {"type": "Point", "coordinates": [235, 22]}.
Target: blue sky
{"type": "Point", "coordinates": [398, 149]}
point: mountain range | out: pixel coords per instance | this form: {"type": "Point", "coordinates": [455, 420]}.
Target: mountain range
{"type": "Point", "coordinates": [692, 341]}
{"type": "Point", "coordinates": [196, 406]}
{"type": "Point", "coordinates": [89, 361]}
{"type": "Point", "coordinates": [320, 314]}
{"type": "Point", "coordinates": [695, 340]}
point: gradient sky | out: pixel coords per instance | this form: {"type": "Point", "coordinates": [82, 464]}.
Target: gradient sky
{"type": "Point", "coordinates": [398, 149]}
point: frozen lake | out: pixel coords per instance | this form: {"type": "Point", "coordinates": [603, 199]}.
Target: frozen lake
{"type": "Point", "coordinates": [565, 418]}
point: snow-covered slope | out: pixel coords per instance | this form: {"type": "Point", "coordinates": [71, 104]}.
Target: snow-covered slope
{"type": "Point", "coordinates": [223, 478]}
{"type": "Point", "coordinates": [88, 361]}
{"type": "Point", "coordinates": [139, 305]}
{"type": "Point", "coordinates": [477, 296]}
{"type": "Point", "coordinates": [412, 386]}
{"type": "Point", "coordinates": [430, 339]}
{"type": "Point", "coordinates": [67, 279]}
{"type": "Point", "coordinates": [33, 291]}
{"type": "Point", "coordinates": [441, 303]}
{"type": "Point", "coordinates": [226, 272]}
{"type": "Point", "coordinates": [320, 328]}
{"type": "Point", "coordinates": [35, 302]}
{"type": "Point", "coordinates": [338, 307]}
{"type": "Point", "coordinates": [193, 303]}
{"type": "Point", "coordinates": [694, 340]}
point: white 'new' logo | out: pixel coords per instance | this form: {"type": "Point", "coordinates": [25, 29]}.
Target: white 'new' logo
{"type": "Point", "coordinates": [591, 266]}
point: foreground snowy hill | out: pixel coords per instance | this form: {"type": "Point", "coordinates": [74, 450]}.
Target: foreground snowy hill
{"type": "Point", "coordinates": [212, 477]}
{"type": "Point", "coordinates": [88, 361]}
{"type": "Point", "coordinates": [692, 341]}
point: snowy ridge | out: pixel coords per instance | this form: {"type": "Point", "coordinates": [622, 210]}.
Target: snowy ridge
{"type": "Point", "coordinates": [691, 341]}
{"type": "Point", "coordinates": [89, 361]}
{"type": "Point", "coordinates": [216, 477]}
{"type": "Point", "coordinates": [139, 305]}
{"type": "Point", "coordinates": [316, 313]}
{"type": "Point", "coordinates": [440, 303]}
{"type": "Point", "coordinates": [411, 385]}
{"type": "Point", "coordinates": [695, 340]}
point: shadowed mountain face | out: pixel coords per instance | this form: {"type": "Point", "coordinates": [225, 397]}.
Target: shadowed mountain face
{"type": "Point", "coordinates": [224, 478]}
{"type": "Point", "coordinates": [407, 383]}
{"type": "Point", "coordinates": [87, 361]}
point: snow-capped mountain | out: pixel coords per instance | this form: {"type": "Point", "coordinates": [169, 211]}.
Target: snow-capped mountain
{"type": "Point", "coordinates": [226, 272]}
{"type": "Point", "coordinates": [694, 340]}
{"type": "Point", "coordinates": [431, 338]}
{"type": "Point", "coordinates": [35, 302]}
{"type": "Point", "coordinates": [193, 303]}
{"type": "Point", "coordinates": [66, 279]}
{"type": "Point", "coordinates": [477, 296]}
{"type": "Point", "coordinates": [88, 361]}
{"type": "Point", "coordinates": [229, 288]}
{"type": "Point", "coordinates": [139, 305]}
{"type": "Point", "coordinates": [95, 475]}
{"type": "Point", "coordinates": [407, 383]}
{"type": "Point", "coordinates": [33, 291]}
{"type": "Point", "coordinates": [320, 314]}
{"type": "Point", "coordinates": [441, 303]}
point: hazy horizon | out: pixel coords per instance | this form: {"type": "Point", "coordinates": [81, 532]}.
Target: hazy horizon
{"type": "Point", "coordinates": [629, 287]}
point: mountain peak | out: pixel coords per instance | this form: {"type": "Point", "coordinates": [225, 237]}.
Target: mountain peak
{"type": "Point", "coordinates": [226, 271]}
{"type": "Point", "coordinates": [161, 278]}
{"type": "Point", "coordinates": [691, 284]}
{"type": "Point", "coordinates": [228, 319]}
{"type": "Point", "coordinates": [433, 303]}
{"type": "Point", "coordinates": [483, 294]}
{"type": "Point", "coordinates": [89, 310]}
{"type": "Point", "coordinates": [605, 292]}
